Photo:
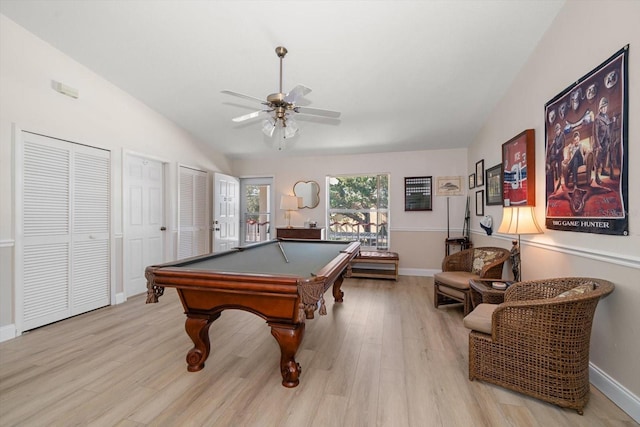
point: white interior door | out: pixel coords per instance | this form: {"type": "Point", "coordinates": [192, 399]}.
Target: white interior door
{"type": "Point", "coordinates": [193, 227]}
{"type": "Point", "coordinates": [226, 222]}
{"type": "Point", "coordinates": [143, 220]}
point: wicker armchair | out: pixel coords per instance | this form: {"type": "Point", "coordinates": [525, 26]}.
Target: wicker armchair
{"type": "Point", "coordinates": [537, 341]}
{"type": "Point", "coordinates": [451, 286]}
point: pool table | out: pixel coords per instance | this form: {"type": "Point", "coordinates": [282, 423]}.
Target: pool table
{"type": "Point", "coordinates": [281, 280]}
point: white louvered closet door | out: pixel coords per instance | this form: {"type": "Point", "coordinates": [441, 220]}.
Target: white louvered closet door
{"type": "Point", "coordinates": [65, 259]}
{"type": "Point", "coordinates": [193, 229]}
{"type": "Point", "coordinates": [90, 219]}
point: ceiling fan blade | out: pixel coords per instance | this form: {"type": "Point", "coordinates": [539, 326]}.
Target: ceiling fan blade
{"type": "Point", "coordinates": [241, 95]}
{"type": "Point", "coordinates": [317, 112]}
{"type": "Point", "coordinates": [296, 93]}
{"type": "Point", "coordinates": [249, 116]}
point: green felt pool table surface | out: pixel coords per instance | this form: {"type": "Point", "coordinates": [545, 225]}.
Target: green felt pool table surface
{"type": "Point", "coordinates": [304, 258]}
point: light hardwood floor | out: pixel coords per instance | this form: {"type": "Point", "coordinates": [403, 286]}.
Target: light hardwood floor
{"type": "Point", "coordinates": [384, 357]}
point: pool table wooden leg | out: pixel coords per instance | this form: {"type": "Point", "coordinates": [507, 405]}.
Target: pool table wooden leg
{"type": "Point", "coordinates": [198, 330]}
{"type": "Point", "coordinates": [337, 292]}
{"type": "Point", "coordinates": [289, 338]}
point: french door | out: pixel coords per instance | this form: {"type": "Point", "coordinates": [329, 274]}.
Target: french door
{"type": "Point", "coordinates": [256, 206]}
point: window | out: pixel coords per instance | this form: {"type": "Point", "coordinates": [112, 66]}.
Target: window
{"type": "Point", "coordinates": [359, 209]}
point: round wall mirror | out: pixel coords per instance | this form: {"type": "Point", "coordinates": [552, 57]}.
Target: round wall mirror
{"type": "Point", "coordinates": [309, 193]}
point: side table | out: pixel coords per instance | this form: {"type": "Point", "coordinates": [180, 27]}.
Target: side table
{"type": "Point", "coordinates": [483, 292]}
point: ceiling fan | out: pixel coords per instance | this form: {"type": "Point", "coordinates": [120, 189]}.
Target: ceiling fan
{"type": "Point", "coordinates": [281, 106]}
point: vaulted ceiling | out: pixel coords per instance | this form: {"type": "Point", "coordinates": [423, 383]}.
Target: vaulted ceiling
{"type": "Point", "coordinates": [406, 75]}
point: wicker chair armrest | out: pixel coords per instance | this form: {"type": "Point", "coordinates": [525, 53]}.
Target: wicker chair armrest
{"type": "Point", "coordinates": [515, 322]}
{"type": "Point", "coordinates": [493, 270]}
{"type": "Point", "coordinates": [549, 288]}
{"type": "Point", "coordinates": [523, 323]}
{"type": "Point", "coordinates": [533, 290]}
{"type": "Point", "coordinates": [459, 261]}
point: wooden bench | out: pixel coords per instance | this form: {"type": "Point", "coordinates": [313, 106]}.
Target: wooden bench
{"type": "Point", "coordinates": [364, 265]}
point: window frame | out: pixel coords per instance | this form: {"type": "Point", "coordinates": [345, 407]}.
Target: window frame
{"type": "Point", "coordinates": [370, 240]}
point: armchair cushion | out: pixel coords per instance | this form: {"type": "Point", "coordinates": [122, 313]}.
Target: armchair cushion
{"type": "Point", "coordinates": [456, 279]}
{"type": "Point", "coordinates": [578, 290]}
{"type": "Point", "coordinates": [480, 318]}
{"type": "Point", "coordinates": [482, 257]}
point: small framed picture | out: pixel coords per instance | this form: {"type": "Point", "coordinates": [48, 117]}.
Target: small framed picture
{"type": "Point", "coordinates": [493, 180]}
{"type": "Point", "coordinates": [480, 173]}
{"type": "Point", "coordinates": [449, 185]}
{"type": "Point", "coordinates": [472, 181]}
{"type": "Point", "coordinates": [480, 203]}
{"type": "Point", "coordinates": [417, 193]}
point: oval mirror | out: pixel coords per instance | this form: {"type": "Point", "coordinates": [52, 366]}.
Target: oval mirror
{"type": "Point", "coordinates": [309, 193]}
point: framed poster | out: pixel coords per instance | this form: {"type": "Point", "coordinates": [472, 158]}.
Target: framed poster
{"type": "Point", "coordinates": [472, 181]}
{"type": "Point", "coordinates": [587, 153]}
{"type": "Point", "coordinates": [519, 170]}
{"type": "Point", "coordinates": [449, 185]}
{"type": "Point", "coordinates": [493, 182]}
{"type": "Point", "coordinates": [480, 173]}
{"type": "Point", "coordinates": [417, 193]}
{"type": "Point", "coordinates": [480, 203]}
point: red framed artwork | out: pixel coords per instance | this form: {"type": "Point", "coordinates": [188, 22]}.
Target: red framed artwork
{"type": "Point", "coordinates": [519, 170]}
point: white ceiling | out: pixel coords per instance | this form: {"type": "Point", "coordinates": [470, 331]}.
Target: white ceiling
{"type": "Point", "coordinates": [406, 75]}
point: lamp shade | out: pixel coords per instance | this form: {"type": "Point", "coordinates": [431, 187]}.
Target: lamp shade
{"type": "Point", "coordinates": [289, 203]}
{"type": "Point", "coordinates": [519, 220]}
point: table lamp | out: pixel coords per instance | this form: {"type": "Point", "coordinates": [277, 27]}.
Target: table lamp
{"type": "Point", "coordinates": [518, 220]}
{"type": "Point", "coordinates": [288, 204]}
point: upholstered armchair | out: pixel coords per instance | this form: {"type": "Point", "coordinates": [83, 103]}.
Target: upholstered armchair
{"type": "Point", "coordinates": [537, 341]}
{"type": "Point", "coordinates": [451, 286]}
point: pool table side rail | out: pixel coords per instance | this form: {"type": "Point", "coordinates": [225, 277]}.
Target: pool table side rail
{"type": "Point", "coordinates": [171, 274]}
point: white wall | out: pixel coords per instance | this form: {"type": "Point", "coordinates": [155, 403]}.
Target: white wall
{"type": "Point", "coordinates": [583, 35]}
{"type": "Point", "coordinates": [103, 116]}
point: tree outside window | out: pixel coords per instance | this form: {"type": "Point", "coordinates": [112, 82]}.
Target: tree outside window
{"type": "Point", "coordinates": [359, 209]}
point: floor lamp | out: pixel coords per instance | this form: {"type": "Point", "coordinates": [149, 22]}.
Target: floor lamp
{"type": "Point", "coordinates": [518, 220]}
{"type": "Point", "coordinates": [288, 204]}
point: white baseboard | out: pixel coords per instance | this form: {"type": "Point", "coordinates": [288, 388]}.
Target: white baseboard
{"type": "Point", "coordinates": [7, 332]}
{"type": "Point", "coordinates": [417, 272]}
{"type": "Point", "coordinates": [619, 395]}
{"type": "Point", "coordinates": [120, 298]}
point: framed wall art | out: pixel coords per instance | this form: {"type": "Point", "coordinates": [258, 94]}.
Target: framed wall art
{"type": "Point", "coordinates": [586, 129]}
{"type": "Point", "coordinates": [472, 181]}
{"type": "Point", "coordinates": [480, 203]}
{"type": "Point", "coordinates": [493, 183]}
{"type": "Point", "coordinates": [480, 173]}
{"type": "Point", "coordinates": [417, 193]}
{"type": "Point", "coordinates": [449, 185]}
{"type": "Point", "coordinates": [519, 170]}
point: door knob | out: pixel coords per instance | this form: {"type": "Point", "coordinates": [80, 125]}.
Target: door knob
{"type": "Point", "coordinates": [163, 228]}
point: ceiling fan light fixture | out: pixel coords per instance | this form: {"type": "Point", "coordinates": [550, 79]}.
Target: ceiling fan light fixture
{"type": "Point", "coordinates": [269, 126]}
{"type": "Point", "coordinates": [282, 107]}
{"type": "Point", "coordinates": [290, 128]}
